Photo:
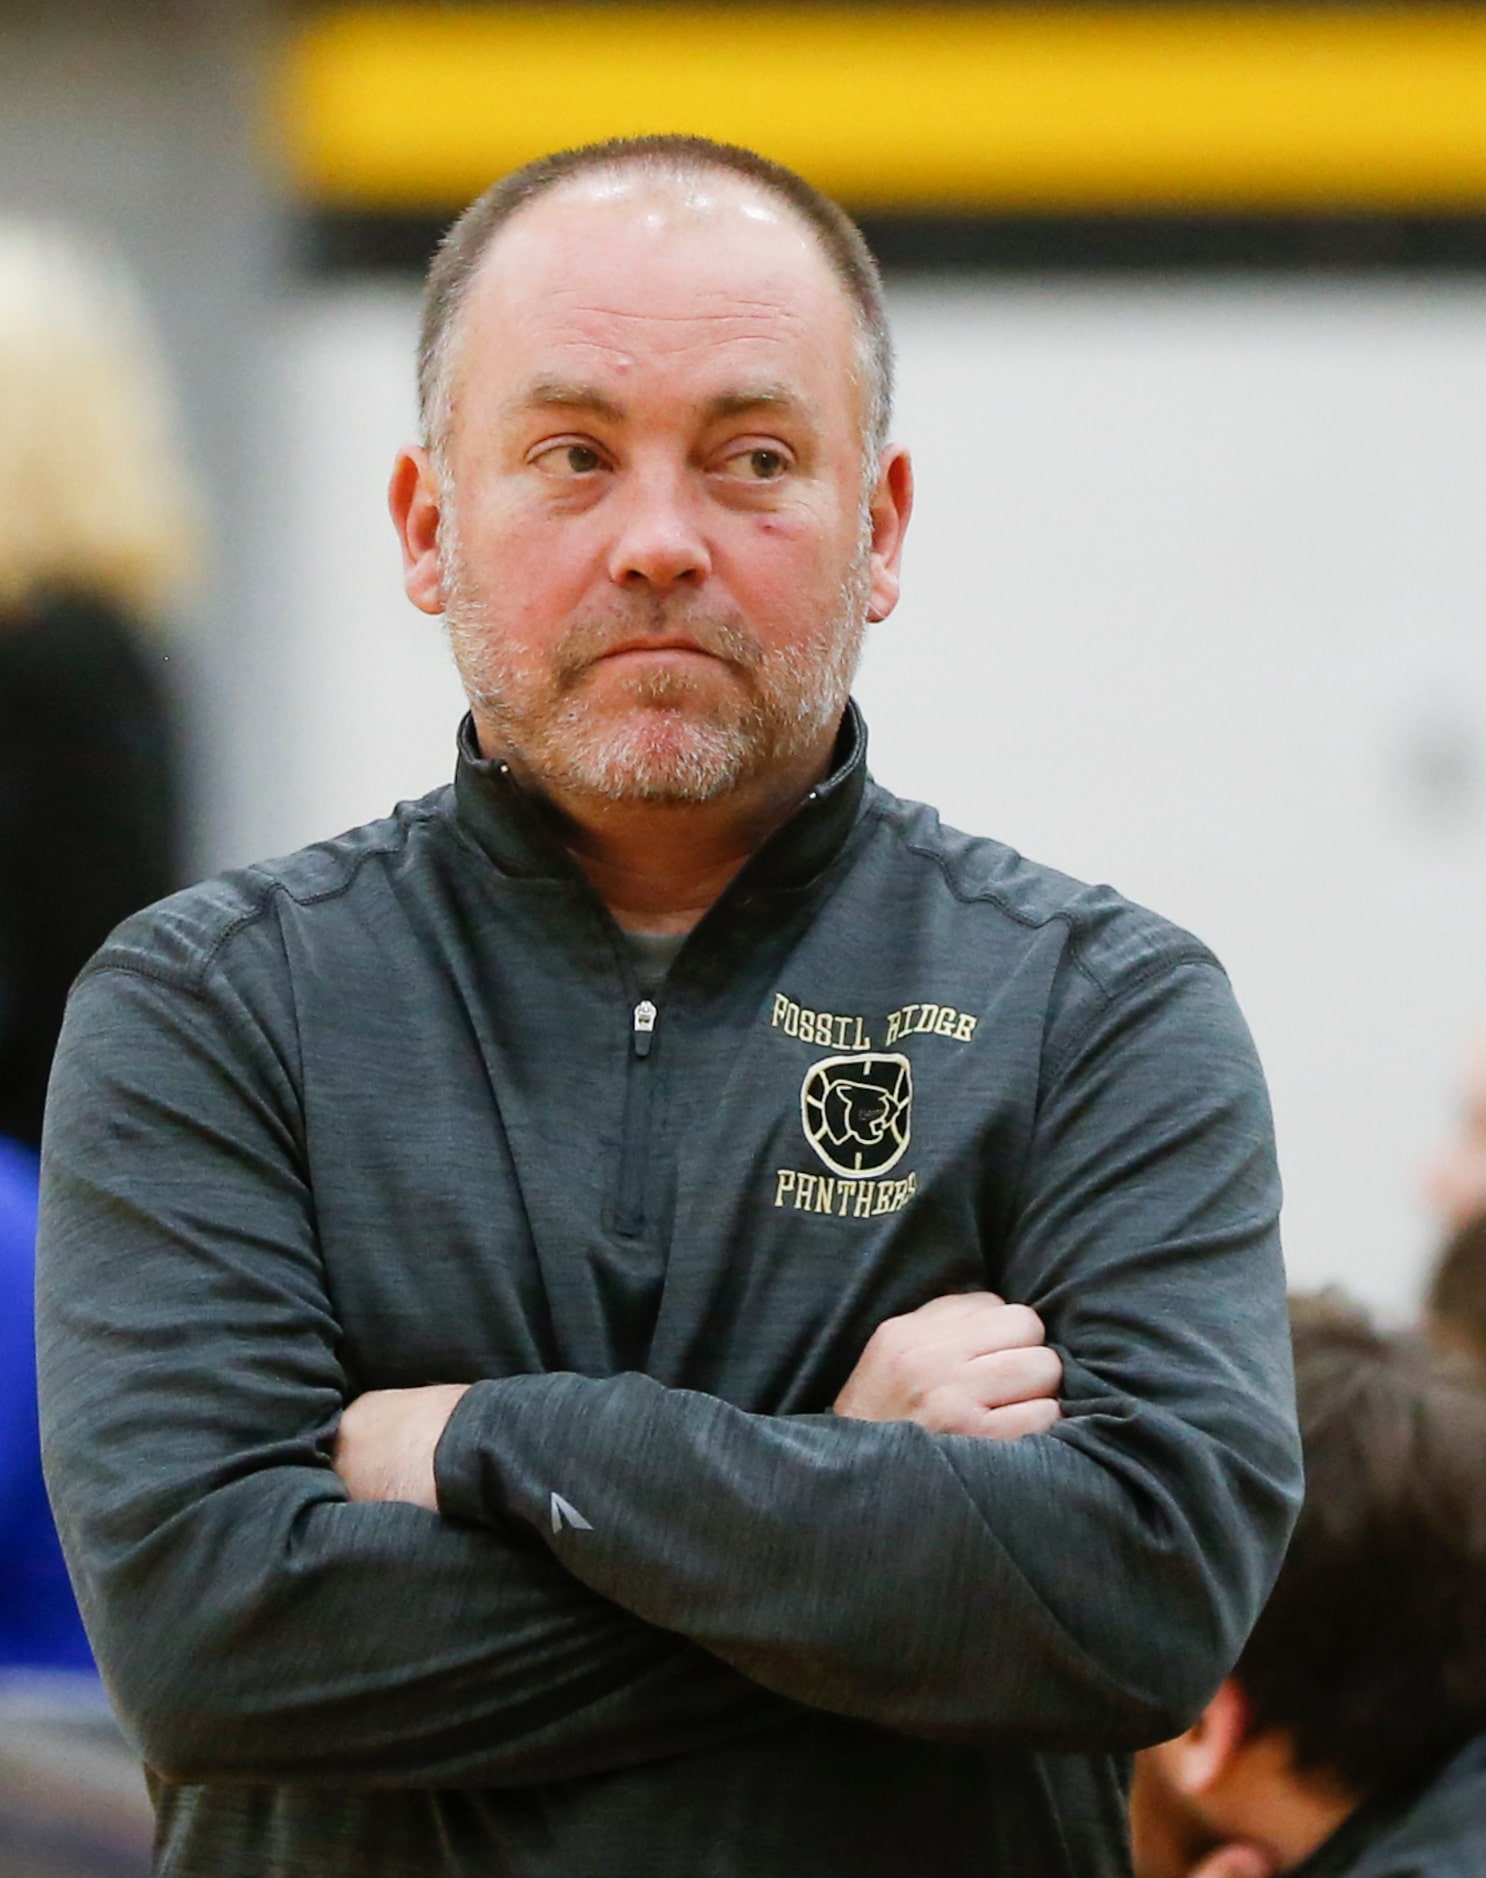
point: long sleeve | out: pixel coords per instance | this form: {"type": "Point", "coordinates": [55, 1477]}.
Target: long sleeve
{"type": "Point", "coordinates": [251, 1623]}
{"type": "Point", "coordinates": [1083, 1588]}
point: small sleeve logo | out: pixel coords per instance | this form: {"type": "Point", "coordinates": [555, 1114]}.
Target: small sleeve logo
{"type": "Point", "coordinates": [857, 1112]}
{"type": "Point", "coordinates": [563, 1513]}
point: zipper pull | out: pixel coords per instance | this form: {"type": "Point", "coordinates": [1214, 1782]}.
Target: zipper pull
{"type": "Point", "coordinates": [645, 1016]}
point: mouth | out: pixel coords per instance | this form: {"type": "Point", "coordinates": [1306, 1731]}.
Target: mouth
{"type": "Point", "coordinates": [653, 647]}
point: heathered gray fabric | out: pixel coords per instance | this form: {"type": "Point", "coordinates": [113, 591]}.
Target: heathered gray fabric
{"type": "Point", "coordinates": [375, 1116]}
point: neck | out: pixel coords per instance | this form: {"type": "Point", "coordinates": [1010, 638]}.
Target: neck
{"type": "Point", "coordinates": [658, 867]}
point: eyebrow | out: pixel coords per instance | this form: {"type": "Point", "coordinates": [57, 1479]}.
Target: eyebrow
{"type": "Point", "coordinates": [565, 394]}
{"type": "Point", "coordinates": [754, 398]}
{"type": "Point", "coordinates": [570, 395]}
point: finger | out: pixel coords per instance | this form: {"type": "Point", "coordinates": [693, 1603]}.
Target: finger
{"type": "Point", "coordinates": [951, 1307]}
{"type": "Point", "coordinates": [909, 1357]}
{"type": "Point", "coordinates": [946, 1331]}
{"type": "Point", "coordinates": [1007, 1376]}
{"type": "Point", "coordinates": [993, 1327]}
{"type": "Point", "coordinates": [949, 1411]}
{"type": "Point", "coordinates": [1016, 1420]}
{"type": "Point", "coordinates": [977, 1324]}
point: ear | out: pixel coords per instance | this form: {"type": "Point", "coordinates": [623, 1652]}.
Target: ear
{"type": "Point", "coordinates": [413, 497]}
{"type": "Point", "coordinates": [892, 504]}
{"type": "Point", "coordinates": [1198, 1760]}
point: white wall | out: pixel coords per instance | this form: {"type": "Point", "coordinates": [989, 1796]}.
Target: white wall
{"type": "Point", "coordinates": [1195, 603]}
{"type": "Point", "coordinates": [367, 698]}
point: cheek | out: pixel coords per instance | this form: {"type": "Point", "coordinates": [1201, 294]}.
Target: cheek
{"type": "Point", "coordinates": [798, 545]}
{"type": "Point", "coordinates": [539, 556]}
{"type": "Point", "coordinates": [780, 575]}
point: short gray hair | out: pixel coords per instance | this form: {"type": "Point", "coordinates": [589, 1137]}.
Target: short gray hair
{"type": "Point", "coordinates": [466, 244]}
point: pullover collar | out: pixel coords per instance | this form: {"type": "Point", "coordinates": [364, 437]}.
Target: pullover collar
{"type": "Point", "coordinates": [521, 832]}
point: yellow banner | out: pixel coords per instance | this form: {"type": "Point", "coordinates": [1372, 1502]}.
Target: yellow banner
{"type": "Point", "coordinates": [986, 110]}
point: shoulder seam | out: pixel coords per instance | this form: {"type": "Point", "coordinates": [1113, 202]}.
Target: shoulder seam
{"type": "Point", "coordinates": [268, 886]}
{"type": "Point", "coordinates": [1182, 952]}
{"type": "Point", "coordinates": [139, 968]}
{"type": "Point", "coordinates": [367, 854]}
{"type": "Point", "coordinates": [1189, 954]}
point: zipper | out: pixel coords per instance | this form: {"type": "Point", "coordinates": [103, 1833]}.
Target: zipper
{"type": "Point", "coordinates": [629, 1212]}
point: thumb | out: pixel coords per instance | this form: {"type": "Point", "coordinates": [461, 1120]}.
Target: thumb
{"type": "Point", "coordinates": [1236, 1861]}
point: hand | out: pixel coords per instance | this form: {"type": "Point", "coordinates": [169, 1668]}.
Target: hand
{"type": "Point", "coordinates": [1236, 1861]}
{"type": "Point", "coordinates": [384, 1446]}
{"type": "Point", "coordinates": [969, 1364]}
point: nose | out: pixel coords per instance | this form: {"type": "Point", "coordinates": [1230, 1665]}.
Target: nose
{"type": "Point", "coordinates": [660, 543]}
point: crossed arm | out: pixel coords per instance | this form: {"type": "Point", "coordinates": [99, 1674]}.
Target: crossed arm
{"type": "Point", "coordinates": [258, 1622]}
{"type": "Point", "coordinates": [966, 1365]}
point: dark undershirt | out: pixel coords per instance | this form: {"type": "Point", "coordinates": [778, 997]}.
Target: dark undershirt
{"type": "Point", "coordinates": [653, 954]}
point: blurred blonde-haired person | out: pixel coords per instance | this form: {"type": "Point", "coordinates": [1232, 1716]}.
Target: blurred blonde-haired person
{"type": "Point", "coordinates": [97, 540]}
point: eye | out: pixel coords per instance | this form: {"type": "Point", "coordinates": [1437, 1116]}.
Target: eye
{"type": "Point", "coordinates": [760, 464]}
{"type": "Point", "coordinates": [568, 459]}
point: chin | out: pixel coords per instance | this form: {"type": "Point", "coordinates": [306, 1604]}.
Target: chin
{"type": "Point", "coordinates": [658, 757]}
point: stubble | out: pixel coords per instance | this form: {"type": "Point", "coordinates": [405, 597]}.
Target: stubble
{"type": "Point", "coordinates": [665, 738]}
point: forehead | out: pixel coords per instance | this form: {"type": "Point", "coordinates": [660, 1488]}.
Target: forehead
{"type": "Point", "coordinates": [627, 273]}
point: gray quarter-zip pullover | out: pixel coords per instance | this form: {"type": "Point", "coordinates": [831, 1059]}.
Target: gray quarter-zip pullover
{"type": "Point", "coordinates": [397, 1111]}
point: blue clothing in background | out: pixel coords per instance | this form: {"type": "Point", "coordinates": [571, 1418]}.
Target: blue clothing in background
{"type": "Point", "coordinates": [39, 1624]}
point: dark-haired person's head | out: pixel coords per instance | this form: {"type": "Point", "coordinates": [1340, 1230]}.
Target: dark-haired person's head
{"type": "Point", "coordinates": [1365, 1677]}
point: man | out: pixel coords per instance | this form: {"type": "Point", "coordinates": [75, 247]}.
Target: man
{"type": "Point", "coordinates": [596, 1128]}
{"type": "Point", "coordinates": [1351, 1738]}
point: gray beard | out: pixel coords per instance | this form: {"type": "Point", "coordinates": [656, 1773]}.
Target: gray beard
{"type": "Point", "coordinates": [661, 746]}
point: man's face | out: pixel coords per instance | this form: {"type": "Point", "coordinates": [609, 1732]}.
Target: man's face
{"type": "Point", "coordinates": [654, 554]}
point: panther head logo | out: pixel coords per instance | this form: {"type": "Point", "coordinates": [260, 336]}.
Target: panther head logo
{"type": "Point", "coordinates": [856, 1112]}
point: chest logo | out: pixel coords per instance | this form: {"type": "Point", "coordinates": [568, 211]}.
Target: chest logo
{"type": "Point", "coordinates": [857, 1112]}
